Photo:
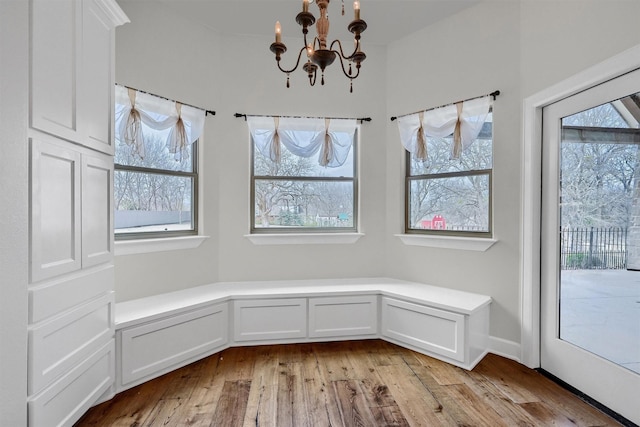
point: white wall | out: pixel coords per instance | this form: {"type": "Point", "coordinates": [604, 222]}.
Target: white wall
{"type": "Point", "coordinates": [14, 191]}
{"type": "Point", "coordinates": [472, 53]}
{"type": "Point", "coordinates": [518, 47]}
{"type": "Point", "coordinates": [232, 74]}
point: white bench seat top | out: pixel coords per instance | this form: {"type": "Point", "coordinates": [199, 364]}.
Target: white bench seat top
{"type": "Point", "coordinates": [133, 312]}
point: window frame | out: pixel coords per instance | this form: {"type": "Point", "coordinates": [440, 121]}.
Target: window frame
{"type": "Point", "coordinates": [253, 230]}
{"type": "Point", "coordinates": [194, 175]}
{"type": "Point", "coordinates": [453, 233]}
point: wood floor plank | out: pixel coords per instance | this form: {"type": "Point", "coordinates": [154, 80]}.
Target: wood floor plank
{"type": "Point", "coordinates": [129, 408]}
{"type": "Point", "coordinates": [418, 405]}
{"type": "Point", "coordinates": [352, 403]}
{"type": "Point", "coordinates": [262, 402]}
{"type": "Point", "coordinates": [523, 385]}
{"type": "Point", "coordinates": [321, 404]}
{"type": "Point", "coordinates": [370, 383]}
{"type": "Point", "coordinates": [198, 412]}
{"type": "Point", "coordinates": [232, 404]}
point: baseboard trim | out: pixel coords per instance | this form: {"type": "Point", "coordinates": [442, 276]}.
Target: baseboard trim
{"type": "Point", "coordinates": [505, 348]}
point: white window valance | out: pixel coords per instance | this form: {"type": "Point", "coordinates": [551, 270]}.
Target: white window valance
{"type": "Point", "coordinates": [463, 120]}
{"type": "Point", "coordinates": [134, 108]}
{"type": "Point", "coordinates": [331, 139]}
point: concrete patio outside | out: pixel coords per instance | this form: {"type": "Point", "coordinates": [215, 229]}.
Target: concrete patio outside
{"type": "Point", "coordinates": [600, 312]}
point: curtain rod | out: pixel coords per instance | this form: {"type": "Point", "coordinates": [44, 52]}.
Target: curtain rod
{"type": "Point", "coordinates": [494, 94]}
{"type": "Point", "coordinates": [361, 119]}
{"type": "Point", "coordinates": [206, 112]}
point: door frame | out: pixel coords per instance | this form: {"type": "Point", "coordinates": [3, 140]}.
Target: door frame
{"type": "Point", "coordinates": [531, 164]}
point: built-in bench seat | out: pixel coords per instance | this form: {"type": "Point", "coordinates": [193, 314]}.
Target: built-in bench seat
{"type": "Point", "coordinates": [160, 333]}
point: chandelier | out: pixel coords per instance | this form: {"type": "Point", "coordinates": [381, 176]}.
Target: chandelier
{"type": "Point", "coordinates": [318, 54]}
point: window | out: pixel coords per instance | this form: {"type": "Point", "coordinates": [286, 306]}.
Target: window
{"type": "Point", "coordinates": [448, 186]}
{"type": "Point", "coordinates": [156, 167]}
{"type": "Point", "coordinates": [303, 175]}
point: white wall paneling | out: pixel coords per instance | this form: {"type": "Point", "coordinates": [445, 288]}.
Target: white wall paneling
{"type": "Point", "coordinates": [163, 332]}
{"type": "Point", "coordinates": [55, 210]}
{"type": "Point", "coordinates": [97, 210]}
{"type": "Point", "coordinates": [170, 343]}
{"type": "Point", "coordinates": [62, 293]}
{"type": "Point", "coordinates": [72, 72]}
{"type": "Point", "coordinates": [343, 316]}
{"type": "Point", "coordinates": [54, 66]}
{"type": "Point", "coordinates": [96, 77]}
{"type": "Point", "coordinates": [71, 333]}
{"type": "Point", "coordinates": [63, 342]}
{"type": "Point", "coordinates": [64, 402]}
{"type": "Point", "coordinates": [438, 331]}
{"type": "Point", "coordinates": [270, 319]}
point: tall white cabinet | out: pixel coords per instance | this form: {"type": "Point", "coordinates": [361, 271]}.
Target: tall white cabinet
{"type": "Point", "coordinates": [71, 352]}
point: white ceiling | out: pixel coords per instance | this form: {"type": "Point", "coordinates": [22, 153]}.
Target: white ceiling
{"type": "Point", "coordinates": [388, 20]}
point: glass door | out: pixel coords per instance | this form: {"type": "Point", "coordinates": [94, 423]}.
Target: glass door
{"type": "Point", "coordinates": [590, 293]}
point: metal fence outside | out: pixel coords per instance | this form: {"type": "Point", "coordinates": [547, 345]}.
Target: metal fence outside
{"type": "Point", "coordinates": [593, 248]}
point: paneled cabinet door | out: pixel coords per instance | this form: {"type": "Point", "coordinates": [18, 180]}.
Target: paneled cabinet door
{"type": "Point", "coordinates": [71, 71]}
{"type": "Point", "coordinates": [55, 210]}
{"type": "Point", "coordinates": [97, 210]}
{"type": "Point", "coordinates": [96, 78]}
{"type": "Point", "coordinates": [55, 51]}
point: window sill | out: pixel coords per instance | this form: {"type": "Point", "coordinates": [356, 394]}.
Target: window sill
{"type": "Point", "coordinates": [447, 242]}
{"type": "Point", "coordinates": [304, 238]}
{"type": "Point", "coordinates": [144, 246]}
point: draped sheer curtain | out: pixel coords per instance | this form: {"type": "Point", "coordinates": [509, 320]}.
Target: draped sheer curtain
{"type": "Point", "coordinates": [133, 108]}
{"type": "Point", "coordinates": [463, 120]}
{"type": "Point", "coordinates": [328, 139]}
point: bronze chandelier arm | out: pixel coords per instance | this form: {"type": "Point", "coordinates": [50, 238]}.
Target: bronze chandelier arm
{"type": "Point", "coordinates": [297, 62]}
{"type": "Point", "coordinates": [344, 71]}
{"type": "Point", "coordinates": [341, 52]}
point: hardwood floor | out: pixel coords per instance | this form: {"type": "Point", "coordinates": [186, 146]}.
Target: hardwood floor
{"type": "Point", "coordinates": [350, 383]}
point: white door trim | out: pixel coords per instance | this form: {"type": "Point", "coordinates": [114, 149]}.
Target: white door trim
{"type": "Point", "coordinates": [622, 63]}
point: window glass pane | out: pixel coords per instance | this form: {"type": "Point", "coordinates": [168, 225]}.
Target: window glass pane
{"type": "Point", "coordinates": [292, 165]}
{"type": "Point", "coordinates": [602, 116]}
{"type": "Point", "coordinates": [304, 204]}
{"type": "Point", "coordinates": [156, 154]}
{"type": "Point", "coordinates": [478, 156]}
{"type": "Point", "coordinates": [450, 203]}
{"type": "Point", "coordinates": [152, 202]}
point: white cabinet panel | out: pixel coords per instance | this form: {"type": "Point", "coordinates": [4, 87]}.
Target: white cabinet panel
{"type": "Point", "coordinates": [270, 319]}
{"type": "Point", "coordinates": [64, 402]}
{"type": "Point", "coordinates": [343, 316]}
{"type": "Point", "coordinates": [63, 293]}
{"type": "Point", "coordinates": [54, 61]}
{"type": "Point", "coordinates": [438, 331]}
{"type": "Point", "coordinates": [72, 73]}
{"type": "Point", "coordinates": [167, 344]}
{"type": "Point", "coordinates": [96, 78]}
{"type": "Point", "coordinates": [97, 215]}
{"type": "Point", "coordinates": [55, 210]}
{"type": "Point", "coordinates": [58, 345]}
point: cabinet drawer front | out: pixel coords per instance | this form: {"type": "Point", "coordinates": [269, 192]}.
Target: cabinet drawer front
{"type": "Point", "coordinates": [61, 294]}
{"type": "Point", "coordinates": [431, 329]}
{"type": "Point", "coordinates": [164, 345]}
{"type": "Point", "coordinates": [57, 346]}
{"type": "Point", "coordinates": [65, 401]}
{"type": "Point", "coordinates": [343, 316]}
{"type": "Point", "coordinates": [270, 319]}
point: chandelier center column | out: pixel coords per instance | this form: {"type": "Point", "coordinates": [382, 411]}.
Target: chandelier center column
{"type": "Point", "coordinates": [322, 26]}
